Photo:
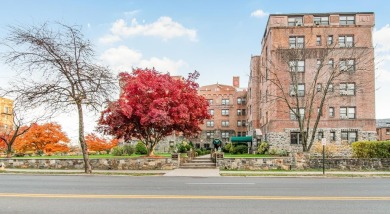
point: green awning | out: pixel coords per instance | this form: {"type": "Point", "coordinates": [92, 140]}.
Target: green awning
{"type": "Point", "coordinates": [241, 139]}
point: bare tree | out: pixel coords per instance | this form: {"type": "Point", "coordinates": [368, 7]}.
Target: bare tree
{"type": "Point", "coordinates": [303, 79]}
{"type": "Point", "coordinates": [57, 70]}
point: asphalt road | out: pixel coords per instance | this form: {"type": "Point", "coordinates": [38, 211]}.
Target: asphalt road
{"type": "Point", "coordinates": [122, 194]}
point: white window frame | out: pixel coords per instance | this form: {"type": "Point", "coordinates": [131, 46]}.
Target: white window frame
{"type": "Point", "coordinates": [297, 65]}
{"type": "Point", "coordinates": [347, 112]}
{"type": "Point", "coordinates": [296, 41]}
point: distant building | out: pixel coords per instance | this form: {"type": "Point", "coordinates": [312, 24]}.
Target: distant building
{"type": "Point", "coordinates": [227, 105]}
{"type": "Point", "coordinates": [349, 115]}
{"type": "Point", "coordinates": [383, 129]}
{"type": "Point", "coordinates": [6, 114]}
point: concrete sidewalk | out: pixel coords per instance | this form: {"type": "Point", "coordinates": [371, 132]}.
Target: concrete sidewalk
{"type": "Point", "coordinates": [200, 173]}
{"type": "Point", "coordinates": [194, 172]}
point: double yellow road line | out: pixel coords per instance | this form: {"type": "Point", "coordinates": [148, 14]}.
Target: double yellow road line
{"type": "Point", "coordinates": [201, 197]}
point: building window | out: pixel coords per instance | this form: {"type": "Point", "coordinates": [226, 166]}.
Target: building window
{"type": "Point", "coordinates": [296, 41]}
{"type": "Point", "coordinates": [239, 123]}
{"type": "Point", "coordinates": [319, 111]}
{"type": "Point", "coordinates": [388, 131]}
{"type": "Point", "coordinates": [331, 63]}
{"type": "Point", "coordinates": [241, 101]}
{"type": "Point", "coordinates": [333, 136]}
{"type": "Point", "coordinates": [347, 112]}
{"type": "Point", "coordinates": [210, 123]}
{"type": "Point", "coordinates": [297, 90]}
{"type": "Point", "coordinates": [243, 123]}
{"type": "Point", "coordinates": [347, 88]}
{"type": "Point", "coordinates": [295, 21]}
{"type": "Point", "coordinates": [320, 135]}
{"type": "Point", "coordinates": [294, 113]}
{"type": "Point", "coordinates": [331, 111]}
{"type": "Point", "coordinates": [211, 111]}
{"type": "Point", "coordinates": [210, 101]}
{"type": "Point", "coordinates": [239, 112]}
{"type": "Point", "coordinates": [225, 123]}
{"type": "Point", "coordinates": [296, 138]}
{"type": "Point", "coordinates": [6, 109]}
{"type": "Point", "coordinates": [347, 20]}
{"type": "Point", "coordinates": [321, 20]}
{"type": "Point", "coordinates": [350, 136]}
{"type": "Point", "coordinates": [239, 134]}
{"type": "Point", "coordinates": [347, 65]}
{"type": "Point", "coordinates": [210, 134]}
{"type": "Point", "coordinates": [225, 134]}
{"type": "Point", "coordinates": [297, 65]}
{"type": "Point", "coordinates": [225, 101]}
{"type": "Point", "coordinates": [206, 145]}
{"type": "Point", "coordinates": [330, 39]}
{"type": "Point", "coordinates": [330, 88]}
{"type": "Point", "coordinates": [319, 87]}
{"type": "Point", "coordinates": [225, 112]}
{"type": "Point", "coordinates": [345, 41]}
{"type": "Point", "coordinates": [197, 145]}
{"type": "Point", "coordinates": [318, 41]}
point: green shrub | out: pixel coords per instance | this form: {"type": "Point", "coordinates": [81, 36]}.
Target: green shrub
{"type": "Point", "coordinates": [227, 147]}
{"type": "Point", "coordinates": [117, 151]}
{"type": "Point", "coordinates": [371, 149]}
{"type": "Point", "coordinates": [184, 147]}
{"type": "Point", "coordinates": [263, 148]}
{"type": "Point", "coordinates": [240, 149]}
{"type": "Point", "coordinates": [128, 149]}
{"type": "Point", "coordinates": [140, 149]}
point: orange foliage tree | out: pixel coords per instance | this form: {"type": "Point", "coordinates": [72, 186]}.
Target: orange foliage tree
{"type": "Point", "coordinates": [99, 144]}
{"type": "Point", "coordinates": [48, 138]}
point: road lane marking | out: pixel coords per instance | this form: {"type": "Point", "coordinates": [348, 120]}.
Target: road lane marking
{"type": "Point", "coordinates": [201, 197]}
{"type": "Point", "coordinates": [220, 183]}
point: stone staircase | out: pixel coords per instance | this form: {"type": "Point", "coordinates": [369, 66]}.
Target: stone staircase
{"type": "Point", "coordinates": [199, 163]}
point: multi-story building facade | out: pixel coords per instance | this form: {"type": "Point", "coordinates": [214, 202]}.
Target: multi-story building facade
{"type": "Point", "coordinates": [304, 56]}
{"type": "Point", "coordinates": [6, 114]}
{"type": "Point", "coordinates": [227, 105]}
{"type": "Point", "coordinates": [383, 129]}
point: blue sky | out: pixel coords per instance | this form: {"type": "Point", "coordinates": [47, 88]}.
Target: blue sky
{"type": "Point", "coordinates": [217, 37]}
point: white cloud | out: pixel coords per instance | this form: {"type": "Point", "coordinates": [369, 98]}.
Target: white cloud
{"type": "Point", "coordinates": [131, 13]}
{"type": "Point", "coordinates": [259, 14]}
{"type": "Point", "coordinates": [164, 27]}
{"type": "Point", "coordinates": [123, 58]}
{"type": "Point", "coordinates": [381, 39]}
{"type": "Point", "coordinates": [163, 65]}
{"type": "Point", "coordinates": [109, 39]}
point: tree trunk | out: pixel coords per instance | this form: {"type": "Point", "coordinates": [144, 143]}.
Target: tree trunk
{"type": "Point", "coordinates": [84, 149]}
{"type": "Point", "coordinates": [151, 150]}
{"type": "Point", "coordinates": [9, 150]}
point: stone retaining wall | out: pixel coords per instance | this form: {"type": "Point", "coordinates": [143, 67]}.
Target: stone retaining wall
{"type": "Point", "coordinates": [301, 163]}
{"type": "Point", "coordinates": [351, 164]}
{"type": "Point", "coordinates": [102, 164]}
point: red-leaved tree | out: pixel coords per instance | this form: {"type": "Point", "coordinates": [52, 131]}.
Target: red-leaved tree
{"type": "Point", "coordinates": [153, 105]}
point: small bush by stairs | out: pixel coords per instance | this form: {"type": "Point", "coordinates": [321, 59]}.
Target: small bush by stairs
{"type": "Point", "coordinates": [199, 163]}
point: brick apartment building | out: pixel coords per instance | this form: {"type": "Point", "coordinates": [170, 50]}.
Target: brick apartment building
{"type": "Point", "coordinates": [383, 129]}
{"type": "Point", "coordinates": [326, 42]}
{"type": "Point", "coordinates": [227, 105]}
{"type": "Point", "coordinates": [6, 116]}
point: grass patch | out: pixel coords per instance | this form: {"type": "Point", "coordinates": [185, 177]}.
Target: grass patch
{"type": "Point", "coordinates": [81, 173]}
{"type": "Point", "coordinates": [228, 155]}
{"type": "Point", "coordinates": [90, 156]}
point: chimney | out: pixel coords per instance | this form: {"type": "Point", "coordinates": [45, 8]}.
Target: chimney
{"type": "Point", "coordinates": [236, 82]}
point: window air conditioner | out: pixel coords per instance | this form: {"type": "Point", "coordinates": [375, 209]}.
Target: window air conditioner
{"type": "Point", "coordinates": [316, 22]}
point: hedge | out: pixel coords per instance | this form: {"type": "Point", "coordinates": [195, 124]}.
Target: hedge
{"type": "Point", "coordinates": [371, 149]}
